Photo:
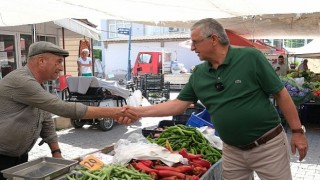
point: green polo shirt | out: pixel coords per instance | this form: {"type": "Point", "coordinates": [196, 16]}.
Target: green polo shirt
{"type": "Point", "coordinates": [242, 112]}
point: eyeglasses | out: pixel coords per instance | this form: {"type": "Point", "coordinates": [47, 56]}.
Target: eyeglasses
{"type": "Point", "coordinates": [219, 86]}
{"type": "Point", "coordinates": [195, 42]}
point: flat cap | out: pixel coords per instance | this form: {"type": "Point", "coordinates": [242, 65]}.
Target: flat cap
{"type": "Point", "coordinates": [46, 47]}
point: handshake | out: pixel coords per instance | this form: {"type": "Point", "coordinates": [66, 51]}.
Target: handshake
{"type": "Point", "coordinates": [127, 115]}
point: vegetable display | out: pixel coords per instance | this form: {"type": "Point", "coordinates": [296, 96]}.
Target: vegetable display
{"type": "Point", "coordinates": [195, 168]}
{"type": "Point", "coordinates": [294, 88]}
{"type": "Point", "coordinates": [308, 90]}
{"type": "Point", "coordinates": [181, 136]}
{"type": "Point", "coordinates": [187, 141]}
{"type": "Point", "coordinates": [111, 172]}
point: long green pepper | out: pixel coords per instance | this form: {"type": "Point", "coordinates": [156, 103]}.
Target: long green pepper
{"type": "Point", "coordinates": [189, 137]}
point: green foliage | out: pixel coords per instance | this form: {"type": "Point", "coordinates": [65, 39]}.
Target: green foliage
{"type": "Point", "coordinates": [97, 54]}
{"type": "Point", "coordinates": [294, 43]}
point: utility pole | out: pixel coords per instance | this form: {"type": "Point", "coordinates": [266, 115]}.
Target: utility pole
{"type": "Point", "coordinates": [127, 31]}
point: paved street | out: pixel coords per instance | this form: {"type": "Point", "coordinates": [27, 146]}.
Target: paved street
{"type": "Point", "coordinates": [308, 169]}
{"type": "Point", "coordinates": [76, 142]}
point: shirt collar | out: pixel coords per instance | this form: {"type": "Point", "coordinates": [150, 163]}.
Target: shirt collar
{"type": "Point", "coordinates": [227, 60]}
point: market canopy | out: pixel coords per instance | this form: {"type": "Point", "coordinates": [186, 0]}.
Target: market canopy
{"type": "Point", "coordinates": [79, 27]}
{"type": "Point", "coordinates": [311, 50]}
{"type": "Point", "coordinates": [237, 41]}
{"type": "Point", "coordinates": [249, 18]}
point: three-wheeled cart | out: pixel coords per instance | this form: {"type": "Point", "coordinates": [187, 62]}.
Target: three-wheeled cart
{"type": "Point", "coordinates": [93, 91]}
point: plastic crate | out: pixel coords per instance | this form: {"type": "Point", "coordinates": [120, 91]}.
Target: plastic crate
{"type": "Point", "coordinates": [197, 108]}
{"type": "Point", "coordinates": [181, 117]}
{"type": "Point", "coordinates": [162, 125]}
{"type": "Point", "coordinates": [167, 123]}
{"type": "Point", "coordinates": [150, 132]}
{"type": "Point", "coordinates": [200, 119]}
{"type": "Point", "coordinates": [185, 116]}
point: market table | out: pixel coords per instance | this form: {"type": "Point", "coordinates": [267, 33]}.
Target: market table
{"type": "Point", "coordinates": [37, 169]}
{"type": "Point", "coordinates": [214, 173]}
{"type": "Point", "coordinates": [310, 112]}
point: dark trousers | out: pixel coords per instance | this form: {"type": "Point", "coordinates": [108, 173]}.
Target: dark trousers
{"type": "Point", "coordinates": [8, 161]}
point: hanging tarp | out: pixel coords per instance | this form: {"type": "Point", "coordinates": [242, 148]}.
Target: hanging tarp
{"type": "Point", "coordinates": [310, 50]}
{"type": "Point", "coordinates": [79, 27]}
{"type": "Point", "coordinates": [237, 41]}
{"type": "Point", "coordinates": [250, 18]}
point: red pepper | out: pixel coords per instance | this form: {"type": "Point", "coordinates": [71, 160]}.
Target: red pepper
{"type": "Point", "coordinates": [199, 170]}
{"type": "Point", "coordinates": [202, 162]}
{"type": "Point", "coordinates": [134, 164]}
{"type": "Point", "coordinates": [148, 163]}
{"type": "Point", "coordinates": [161, 167]}
{"type": "Point", "coordinates": [184, 169]}
{"type": "Point", "coordinates": [169, 178]}
{"type": "Point", "coordinates": [154, 175]}
{"type": "Point", "coordinates": [193, 164]}
{"type": "Point", "coordinates": [167, 173]}
{"type": "Point", "coordinates": [194, 156]}
{"type": "Point", "coordinates": [184, 153]}
{"type": "Point", "coordinates": [140, 166]}
{"type": "Point", "coordinates": [193, 177]}
{"type": "Point", "coordinates": [181, 169]}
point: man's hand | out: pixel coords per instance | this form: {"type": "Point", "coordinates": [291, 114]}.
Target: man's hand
{"type": "Point", "coordinates": [127, 115]}
{"type": "Point", "coordinates": [299, 141]}
{"type": "Point", "coordinates": [57, 155]}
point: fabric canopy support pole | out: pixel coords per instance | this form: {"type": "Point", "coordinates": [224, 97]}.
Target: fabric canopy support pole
{"type": "Point", "coordinates": [34, 33]}
{"type": "Point", "coordinates": [79, 27]}
{"type": "Point", "coordinates": [92, 56]}
{"type": "Point", "coordinates": [63, 46]}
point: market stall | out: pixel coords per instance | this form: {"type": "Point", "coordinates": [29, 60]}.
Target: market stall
{"type": "Point", "coordinates": [304, 89]}
{"type": "Point", "coordinates": [134, 157]}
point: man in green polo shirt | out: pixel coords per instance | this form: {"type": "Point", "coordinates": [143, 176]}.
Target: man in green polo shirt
{"type": "Point", "coordinates": [234, 84]}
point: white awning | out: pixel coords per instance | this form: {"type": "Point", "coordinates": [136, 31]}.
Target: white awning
{"type": "Point", "coordinates": [249, 18]}
{"type": "Point", "coordinates": [79, 27]}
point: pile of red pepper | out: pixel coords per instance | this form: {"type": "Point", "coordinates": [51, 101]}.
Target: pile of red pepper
{"type": "Point", "coordinates": [196, 168]}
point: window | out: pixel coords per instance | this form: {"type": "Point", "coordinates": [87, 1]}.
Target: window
{"type": "Point", "coordinates": [113, 28]}
{"type": "Point", "coordinates": [8, 51]}
{"type": "Point", "coordinates": [296, 43]}
{"type": "Point", "coordinates": [25, 42]}
{"type": "Point", "coordinates": [173, 29]}
{"type": "Point", "coordinates": [96, 43]}
{"type": "Point", "coordinates": [145, 58]}
{"type": "Point", "coordinates": [47, 38]}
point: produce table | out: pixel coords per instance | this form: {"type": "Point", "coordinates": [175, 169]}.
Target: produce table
{"type": "Point", "coordinates": [309, 112]}
{"type": "Point", "coordinates": [42, 173]}
{"type": "Point", "coordinates": [214, 173]}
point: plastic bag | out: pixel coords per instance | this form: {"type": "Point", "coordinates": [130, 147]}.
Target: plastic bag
{"type": "Point", "coordinates": [210, 134]}
{"type": "Point", "coordinates": [138, 147]}
{"type": "Point", "coordinates": [135, 99]}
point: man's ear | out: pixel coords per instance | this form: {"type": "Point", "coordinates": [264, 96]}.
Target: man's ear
{"type": "Point", "coordinates": [40, 59]}
{"type": "Point", "coordinates": [215, 39]}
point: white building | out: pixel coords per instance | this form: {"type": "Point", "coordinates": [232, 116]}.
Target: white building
{"type": "Point", "coordinates": [115, 47]}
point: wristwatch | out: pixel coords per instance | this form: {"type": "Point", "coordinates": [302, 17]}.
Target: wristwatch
{"type": "Point", "coordinates": [301, 130]}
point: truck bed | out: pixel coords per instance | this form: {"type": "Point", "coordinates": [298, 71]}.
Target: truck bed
{"type": "Point", "coordinates": [177, 81]}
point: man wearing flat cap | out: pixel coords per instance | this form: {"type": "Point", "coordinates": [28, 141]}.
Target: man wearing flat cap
{"type": "Point", "coordinates": [26, 107]}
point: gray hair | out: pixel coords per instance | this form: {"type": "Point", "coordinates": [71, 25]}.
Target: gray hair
{"type": "Point", "coordinates": [211, 26]}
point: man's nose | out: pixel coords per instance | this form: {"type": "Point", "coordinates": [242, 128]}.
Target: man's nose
{"type": "Point", "coordinates": [60, 67]}
{"type": "Point", "coordinates": [192, 47]}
